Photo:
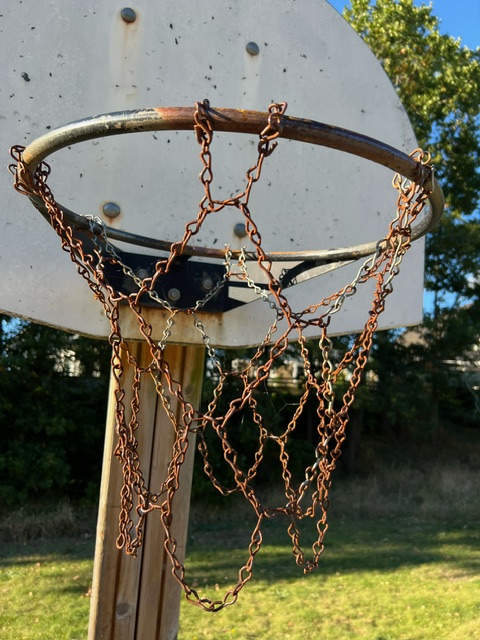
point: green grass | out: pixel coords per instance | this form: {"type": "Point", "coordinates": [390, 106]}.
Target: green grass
{"type": "Point", "coordinates": [44, 590]}
{"type": "Point", "coordinates": [402, 562]}
{"type": "Point", "coordinates": [378, 580]}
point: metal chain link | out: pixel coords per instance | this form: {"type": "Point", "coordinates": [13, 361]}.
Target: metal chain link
{"type": "Point", "coordinates": [137, 500]}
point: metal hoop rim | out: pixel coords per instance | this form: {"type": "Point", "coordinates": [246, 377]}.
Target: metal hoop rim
{"type": "Point", "coordinates": [234, 121]}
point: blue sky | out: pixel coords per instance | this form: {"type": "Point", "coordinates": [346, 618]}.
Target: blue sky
{"type": "Point", "coordinates": [459, 18]}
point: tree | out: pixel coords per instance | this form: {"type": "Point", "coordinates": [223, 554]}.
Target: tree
{"type": "Point", "coordinates": [53, 389]}
{"type": "Point", "coordinates": [438, 82]}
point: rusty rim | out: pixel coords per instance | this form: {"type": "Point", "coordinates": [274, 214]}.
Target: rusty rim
{"type": "Point", "coordinates": [236, 121]}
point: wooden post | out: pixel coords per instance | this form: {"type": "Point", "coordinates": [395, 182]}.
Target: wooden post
{"type": "Point", "coordinates": [138, 598]}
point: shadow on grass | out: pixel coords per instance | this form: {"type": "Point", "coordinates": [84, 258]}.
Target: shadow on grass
{"type": "Point", "coordinates": [217, 550]}
{"type": "Point", "coordinates": [350, 546]}
{"type": "Point", "coordinates": [55, 549]}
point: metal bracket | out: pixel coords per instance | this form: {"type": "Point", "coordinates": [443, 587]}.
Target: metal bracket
{"type": "Point", "coordinates": [186, 283]}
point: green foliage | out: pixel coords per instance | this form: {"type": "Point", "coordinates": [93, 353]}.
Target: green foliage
{"type": "Point", "coordinates": [438, 82]}
{"type": "Point", "coordinates": [52, 405]}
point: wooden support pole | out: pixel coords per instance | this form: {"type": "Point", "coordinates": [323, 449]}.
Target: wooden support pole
{"type": "Point", "coordinates": [138, 598]}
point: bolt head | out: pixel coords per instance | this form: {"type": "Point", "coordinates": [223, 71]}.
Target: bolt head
{"type": "Point", "coordinates": [207, 283]}
{"type": "Point", "coordinates": [240, 230]}
{"type": "Point", "coordinates": [128, 14]}
{"type": "Point", "coordinates": [111, 209]}
{"type": "Point", "coordinates": [253, 49]}
{"type": "Point", "coordinates": [174, 295]}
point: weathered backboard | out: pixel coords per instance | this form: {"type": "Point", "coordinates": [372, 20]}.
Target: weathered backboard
{"type": "Point", "coordinates": [64, 60]}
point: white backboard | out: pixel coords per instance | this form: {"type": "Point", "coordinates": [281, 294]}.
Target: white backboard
{"type": "Point", "coordinates": [65, 60]}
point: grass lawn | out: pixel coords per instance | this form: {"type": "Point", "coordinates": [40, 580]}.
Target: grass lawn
{"type": "Point", "coordinates": [44, 590]}
{"type": "Point", "coordinates": [381, 580]}
{"type": "Point", "coordinates": [387, 577]}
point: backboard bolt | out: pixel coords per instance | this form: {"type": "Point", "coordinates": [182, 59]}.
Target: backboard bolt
{"type": "Point", "coordinates": [207, 283]}
{"type": "Point", "coordinates": [253, 49]}
{"type": "Point", "coordinates": [142, 274]}
{"type": "Point", "coordinates": [111, 209]}
{"type": "Point", "coordinates": [239, 230]}
{"type": "Point", "coordinates": [128, 14]}
{"type": "Point", "coordinates": [174, 295]}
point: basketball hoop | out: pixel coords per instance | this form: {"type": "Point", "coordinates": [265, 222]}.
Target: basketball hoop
{"type": "Point", "coordinates": [105, 268]}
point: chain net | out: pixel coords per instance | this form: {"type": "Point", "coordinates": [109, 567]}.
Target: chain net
{"type": "Point", "coordinates": [137, 500]}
